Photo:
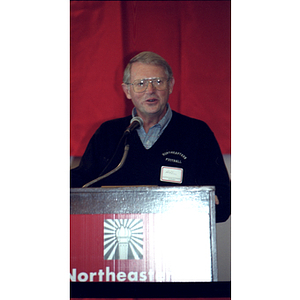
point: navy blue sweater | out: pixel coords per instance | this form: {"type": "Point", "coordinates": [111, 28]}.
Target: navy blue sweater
{"type": "Point", "coordinates": [186, 143]}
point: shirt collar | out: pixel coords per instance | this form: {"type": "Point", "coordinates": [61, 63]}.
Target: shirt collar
{"type": "Point", "coordinates": [164, 121]}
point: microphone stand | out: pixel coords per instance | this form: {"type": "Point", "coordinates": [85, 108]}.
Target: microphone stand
{"type": "Point", "coordinates": [135, 123]}
{"type": "Point", "coordinates": [119, 166]}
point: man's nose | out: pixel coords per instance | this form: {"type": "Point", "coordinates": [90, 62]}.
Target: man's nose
{"type": "Point", "coordinates": [150, 88]}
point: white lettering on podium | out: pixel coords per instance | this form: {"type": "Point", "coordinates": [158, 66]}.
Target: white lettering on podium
{"type": "Point", "coordinates": [112, 274]}
{"type": "Point", "coordinates": [120, 276]}
{"type": "Point", "coordinates": [100, 274]}
{"type": "Point", "coordinates": [151, 275]}
{"type": "Point", "coordinates": [133, 276]}
{"type": "Point", "coordinates": [143, 276]}
{"type": "Point", "coordinates": [92, 274]}
{"type": "Point", "coordinates": [82, 277]}
{"type": "Point", "coordinates": [73, 275]}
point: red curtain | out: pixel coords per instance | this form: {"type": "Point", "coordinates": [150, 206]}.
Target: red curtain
{"type": "Point", "coordinates": [193, 36]}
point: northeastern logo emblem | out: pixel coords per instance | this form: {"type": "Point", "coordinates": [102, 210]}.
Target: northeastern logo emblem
{"type": "Point", "coordinates": [123, 239]}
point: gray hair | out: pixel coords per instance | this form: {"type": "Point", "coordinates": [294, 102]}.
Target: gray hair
{"type": "Point", "coordinates": [150, 58]}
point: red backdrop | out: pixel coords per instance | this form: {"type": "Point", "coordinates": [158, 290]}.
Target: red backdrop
{"type": "Point", "coordinates": [193, 36]}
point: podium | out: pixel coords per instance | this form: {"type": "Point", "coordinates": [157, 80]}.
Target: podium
{"type": "Point", "coordinates": [143, 234]}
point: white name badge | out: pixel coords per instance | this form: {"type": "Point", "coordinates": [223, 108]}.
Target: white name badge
{"type": "Point", "coordinates": [170, 174]}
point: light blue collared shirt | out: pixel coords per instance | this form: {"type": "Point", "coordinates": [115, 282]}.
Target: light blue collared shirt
{"type": "Point", "coordinates": [148, 139]}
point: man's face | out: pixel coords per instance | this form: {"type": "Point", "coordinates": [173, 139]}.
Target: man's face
{"type": "Point", "coordinates": [152, 102]}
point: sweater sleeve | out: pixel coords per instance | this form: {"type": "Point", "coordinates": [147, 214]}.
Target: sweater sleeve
{"type": "Point", "coordinates": [88, 168]}
{"type": "Point", "coordinates": [99, 151]}
{"type": "Point", "coordinates": [218, 176]}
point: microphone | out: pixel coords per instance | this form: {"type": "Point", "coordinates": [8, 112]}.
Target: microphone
{"type": "Point", "coordinates": [135, 123]}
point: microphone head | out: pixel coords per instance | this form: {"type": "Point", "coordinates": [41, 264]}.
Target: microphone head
{"type": "Point", "coordinates": [138, 119]}
{"type": "Point", "coordinates": [135, 123]}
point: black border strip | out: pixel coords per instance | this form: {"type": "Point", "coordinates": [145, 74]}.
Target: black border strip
{"type": "Point", "coordinates": [150, 290]}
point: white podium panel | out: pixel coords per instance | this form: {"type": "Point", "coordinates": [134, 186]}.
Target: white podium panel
{"type": "Point", "coordinates": [143, 234]}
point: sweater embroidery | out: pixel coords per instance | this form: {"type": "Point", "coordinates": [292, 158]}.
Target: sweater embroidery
{"type": "Point", "coordinates": [174, 153]}
{"type": "Point", "coordinates": [174, 157]}
{"type": "Point", "coordinates": [174, 160]}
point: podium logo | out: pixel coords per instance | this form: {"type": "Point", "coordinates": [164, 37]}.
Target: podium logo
{"type": "Point", "coordinates": [123, 239]}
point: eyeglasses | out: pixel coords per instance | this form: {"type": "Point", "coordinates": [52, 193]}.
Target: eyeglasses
{"type": "Point", "coordinates": [140, 85]}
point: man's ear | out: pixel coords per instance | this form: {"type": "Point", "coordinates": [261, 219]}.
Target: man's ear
{"type": "Point", "coordinates": [171, 85]}
{"type": "Point", "coordinates": [126, 90]}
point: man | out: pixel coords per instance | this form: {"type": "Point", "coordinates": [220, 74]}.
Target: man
{"type": "Point", "coordinates": [169, 149]}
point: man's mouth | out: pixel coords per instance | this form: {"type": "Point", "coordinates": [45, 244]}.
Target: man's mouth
{"type": "Point", "coordinates": [151, 100]}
